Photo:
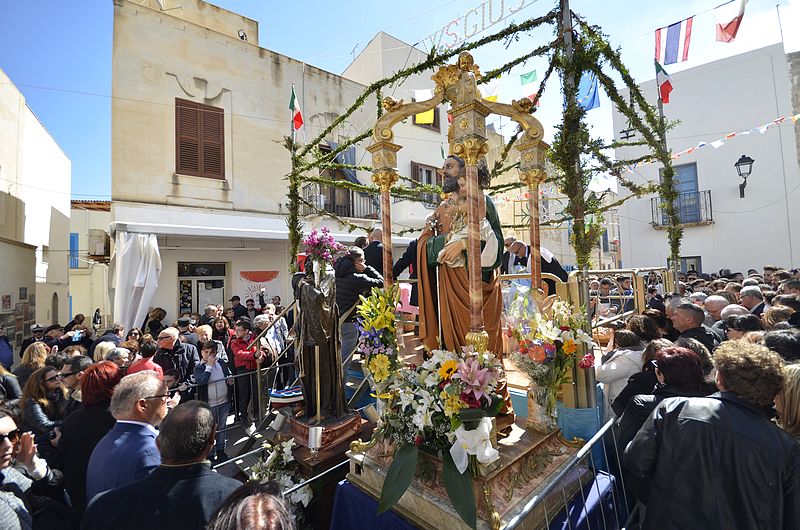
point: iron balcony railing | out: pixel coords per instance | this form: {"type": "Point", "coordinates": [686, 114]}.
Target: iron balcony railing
{"type": "Point", "coordinates": [339, 201]}
{"type": "Point", "coordinates": [693, 207]}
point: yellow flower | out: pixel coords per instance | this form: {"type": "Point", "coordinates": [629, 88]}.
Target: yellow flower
{"type": "Point", "coordinates": [379, 367]}
{"type": "Point", "coordinates": [447, 369]}
{"type": "Point", "coordinates": [452, 403]}
{"type": "Point", "coordinates": [569, 346]}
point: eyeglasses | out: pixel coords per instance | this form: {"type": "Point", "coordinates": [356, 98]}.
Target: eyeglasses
{"type": "Point", "coordinates": [163, 397]}
{"type": "Point", "coordinates": [162, 337]}
{"type": "Point", "coordinates": [134, 333]}
{"type": "Point", "coordinates": [67, 374]}
{"type": "Point", "coordinates": [12, 436]}
{"type": "Point", "coordinates": [54, 378]}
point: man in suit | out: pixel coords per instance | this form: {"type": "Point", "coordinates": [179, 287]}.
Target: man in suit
{"type": "Point", "coordinates": [128, 452]}
{"type": "Point", "coordinates": [752, 298]}
{"type": "Point", "coordinates": [373, 254]}
{"type": "Point", "coordinates": [182, 493]}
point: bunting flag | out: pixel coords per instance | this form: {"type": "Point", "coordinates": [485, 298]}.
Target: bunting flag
{"type": "Point", "coordinates": [672, 42]}
{"type": "Point", "coordinates": [426, 117]}
{"type": "Point", "coordinates": [297, 116]}
{"type": "Point", "coordinates": [729, 17]}
{"type": "Point", "coordinates": [588, 97]}
{"type": "Point", "coordinates": [761, 129]}
{"type": "Point", "coordinates": [664, 82]}
{"type": "Point", "coordinates": [491, 90]}
{"type": "Point", "coordinates": [526, 79]}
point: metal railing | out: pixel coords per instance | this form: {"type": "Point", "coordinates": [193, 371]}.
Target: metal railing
{"type": "Point", "coordinates": [556, 507]}
{"type": "Point", "coordinates": [339, 201]}
{"type": "Point", "coordinates": [693, 207]}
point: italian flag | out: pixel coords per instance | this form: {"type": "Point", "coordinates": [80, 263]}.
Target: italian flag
{"type": "Point", "coordinates": [664, 83]}
{"type": "Point", "coordinates": [297, 116]}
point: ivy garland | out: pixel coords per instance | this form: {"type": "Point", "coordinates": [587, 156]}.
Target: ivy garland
{"type": "Point", "coordinates": [575, 155]}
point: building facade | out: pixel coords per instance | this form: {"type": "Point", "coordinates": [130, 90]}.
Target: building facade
{"type": "Point", "coordinates": [199, 117]}
{"type": "Point", "coordinates": [722, 229]}
{"type": "Point", "coordinates": [35, 187]}
{"type": "Point", "coordinates": [90, 251]}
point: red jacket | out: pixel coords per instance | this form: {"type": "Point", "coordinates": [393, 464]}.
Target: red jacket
{"type": "Point", "coordinates": [242, 357]}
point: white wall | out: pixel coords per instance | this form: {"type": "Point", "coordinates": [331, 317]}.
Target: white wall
{"type": "Point", "coordinates": [733, 94]}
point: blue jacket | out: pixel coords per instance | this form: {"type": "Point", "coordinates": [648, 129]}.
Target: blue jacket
{"type": "Point", "coordinates": [126, 454]}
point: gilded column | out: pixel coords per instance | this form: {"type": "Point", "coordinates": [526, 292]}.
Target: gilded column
{"type": "Point", "coordinates": [532, 178]}
{"type": "Point", "coordinates": [384, 162]}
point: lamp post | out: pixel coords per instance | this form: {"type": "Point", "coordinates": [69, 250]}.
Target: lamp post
{"type": "Point", "coordinates": [743, 167]}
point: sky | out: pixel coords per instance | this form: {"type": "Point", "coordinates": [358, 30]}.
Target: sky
{"type": "Point", "coordinates": [58, 53]}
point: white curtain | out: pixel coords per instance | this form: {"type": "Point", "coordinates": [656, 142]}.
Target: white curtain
{"type": "Point", "coordinates": [134, 270]}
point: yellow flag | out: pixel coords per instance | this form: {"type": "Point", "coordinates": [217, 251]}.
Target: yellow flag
{"type": "Point", "coordinates": [424, 117]}
{"type": "Point", "coordinates": [491, 90]}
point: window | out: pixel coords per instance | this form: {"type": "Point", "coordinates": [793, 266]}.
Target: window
{"type": "Point", "coordinates": [432, 126]}
{"type": "Point", "coordinates": [688, 202]}
{"type": "Point", "coordinates": [73, 250]}
{"type": "Point", "coordinates": [199, 140]}
{"type": "Point", "coordinates": [425, 174]}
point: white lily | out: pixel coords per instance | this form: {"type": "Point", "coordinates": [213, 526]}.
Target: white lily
{"type": "Point", "coordinates": [475, 442]}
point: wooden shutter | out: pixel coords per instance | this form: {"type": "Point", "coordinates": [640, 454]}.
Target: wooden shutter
{"type": "Point", "coordinates": [415, 171]}
{"type": "Point", "coordinates": [187, 137]}
{"type": "Point", "coordinates": [199, 140]}
{"type": "Point", "coordinates": [213, 155]}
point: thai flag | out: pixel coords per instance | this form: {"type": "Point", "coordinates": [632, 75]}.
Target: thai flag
{"type": "Point", "coordinates": [672, 42]}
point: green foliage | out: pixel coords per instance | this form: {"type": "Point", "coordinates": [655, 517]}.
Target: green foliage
{"type": "Point", "coordinates": [459, 489]}
{"type": "Point", "coordinates": [399, 476]}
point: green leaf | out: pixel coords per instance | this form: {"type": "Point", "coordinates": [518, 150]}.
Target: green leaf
{"type": "Point", "coordinates": [398, 477]}
{"type": "Point", "coordinates": [459, 489]}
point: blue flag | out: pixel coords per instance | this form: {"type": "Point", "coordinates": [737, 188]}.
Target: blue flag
{"type": "Point", "coordinates": [588, 97]}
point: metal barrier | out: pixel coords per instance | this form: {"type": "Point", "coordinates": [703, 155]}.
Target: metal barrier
{"type": "Point", "coordinates": [584, 458]}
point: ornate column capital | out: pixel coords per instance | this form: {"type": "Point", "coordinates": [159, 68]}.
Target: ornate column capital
{"type": "Point", "coordinates": [471, 149]}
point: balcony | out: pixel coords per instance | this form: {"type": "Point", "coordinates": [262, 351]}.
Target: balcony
{"type": "Point", "coordinates": [694, 209]}
{"type": "Point", "coordinates": [340, 202]}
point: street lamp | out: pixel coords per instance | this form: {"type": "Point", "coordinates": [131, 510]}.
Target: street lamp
{"type": "Point", "coordinates": [743, 167]}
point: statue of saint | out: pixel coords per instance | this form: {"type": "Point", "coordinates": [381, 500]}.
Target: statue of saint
{"type": "Point", "coordinates": [442, 246]}
{"type": "Point", "coordinates": [318, 327]}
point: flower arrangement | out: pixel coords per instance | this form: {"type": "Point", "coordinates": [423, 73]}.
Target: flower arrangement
{"type": "Point", "coordinates": [280, 466]}
{"type": "Point", "coordinates": [377, 342]}
{"type": "Point", "coordinates": [442, 407]}
{"type": "Point", "coordinates": [320, 245]}
{"type": "Point", "coordinates": [550, 341]}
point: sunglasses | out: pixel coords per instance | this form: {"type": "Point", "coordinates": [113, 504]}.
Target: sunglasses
{"type": "Point", "coordinates": [54, 378]}
{"type": "Point", "coordinates": [134, 333]}
{"type": "Point", "coordinates": [12, 436]}
{"type": "Point", "coordinates": [64, 375]}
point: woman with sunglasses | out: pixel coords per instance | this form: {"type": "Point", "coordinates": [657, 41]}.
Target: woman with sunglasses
{"type": "Point", "coordinates": [134, 334]}
{"type": "Point", "coordinates": [32, 495]}
{"type": "Point", "coordinates": [43, 404]}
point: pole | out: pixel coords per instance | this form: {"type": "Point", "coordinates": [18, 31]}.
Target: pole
{"type": "Point", "coordinates": [316, 383]}
{"type": "Point", "coordinates": [386, 238]}
{"type": "Point", "coordinates": [675, 259]}
{"type": "Point", "coordinates": [474, 249]}
{"type": "Point", "coordinates": [536, 252]}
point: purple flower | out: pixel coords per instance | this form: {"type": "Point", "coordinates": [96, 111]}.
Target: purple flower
{"type": "Point", "coordinates": [473, 376]}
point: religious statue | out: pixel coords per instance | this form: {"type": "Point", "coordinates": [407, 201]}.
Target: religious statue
{"type": "Point", "coordinates": [319, 362]}
{"type": "Point", "coordinates": [441, 252]}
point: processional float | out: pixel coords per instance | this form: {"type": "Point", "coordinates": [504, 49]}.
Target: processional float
{"type": "Point", "coordinates": [527, 457]}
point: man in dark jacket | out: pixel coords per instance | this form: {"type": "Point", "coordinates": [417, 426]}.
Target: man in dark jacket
{"type": "Point", "coordinates": [173, 354]}
{"type": "Point", "coordinates": [37, 334]}
{"type": "Point", "coordinates": [373, 254]}
{"type": "Point", "coordinates": [408, 261]}
{"type": "Point", "coordinates": [188, 336]}
{"type": "Point", "coordinates": [688, 321]}
{"type": "Point", "coordinates": [353, 278]}
{"type": "Point", "coordinates": [183, 492]}
{"type": "Point", "coordinates": [718, 462]}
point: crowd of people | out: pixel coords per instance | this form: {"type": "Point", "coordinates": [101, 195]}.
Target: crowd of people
{"type": "Point", "coordinates": [86, 421]}
{"type": "Point", "coordinates": [704, 385]}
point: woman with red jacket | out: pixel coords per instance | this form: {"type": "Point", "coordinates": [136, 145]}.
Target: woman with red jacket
{"type": "Point", "coordinates": [246, 362]}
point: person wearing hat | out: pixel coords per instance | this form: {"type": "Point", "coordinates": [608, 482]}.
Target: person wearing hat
{"type": "Point", "coordinates": [239, 310]}
{"type": "Point", "coordinates": [186, 335]}
{"type": "Point", "coordinates": [37, 334]}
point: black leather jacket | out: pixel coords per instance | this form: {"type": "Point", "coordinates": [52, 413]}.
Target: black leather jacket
{"type": "Point", "coordinates": [716, 462]}
{"type": "Point", "coordinates": [350, 284]}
